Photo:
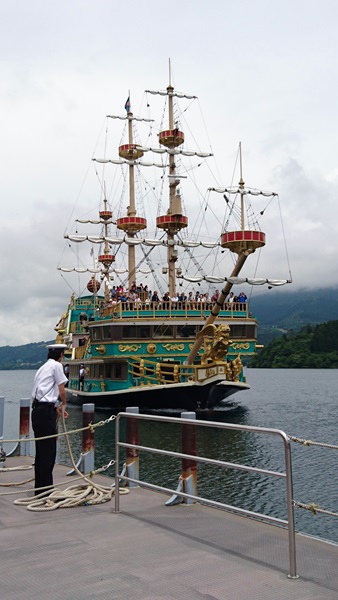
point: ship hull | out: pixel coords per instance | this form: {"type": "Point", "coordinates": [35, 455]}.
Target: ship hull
{"type": "Point", "coordinates": [180, 396]}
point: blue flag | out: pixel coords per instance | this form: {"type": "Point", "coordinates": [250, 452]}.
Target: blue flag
{"type": "Point", "coordinates": [127, 105]}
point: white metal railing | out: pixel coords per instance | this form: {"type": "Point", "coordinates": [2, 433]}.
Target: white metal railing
{"type": "Point", "coordinates": [287, 475]}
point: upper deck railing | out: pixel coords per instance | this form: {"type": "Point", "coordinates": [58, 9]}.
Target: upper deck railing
{"type": "Point", "coordinates": [170, 309]}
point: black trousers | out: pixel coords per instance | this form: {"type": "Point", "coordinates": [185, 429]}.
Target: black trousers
{"type": "Point", "coordinates": [44, 423]}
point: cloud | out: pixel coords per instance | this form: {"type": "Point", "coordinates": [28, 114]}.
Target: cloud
{"type": "Point", "coordinates": [66, 65]}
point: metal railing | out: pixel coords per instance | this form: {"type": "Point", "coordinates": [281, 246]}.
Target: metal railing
{"type": "Point", "coordinates": [287, 475]}
{"type": "Point", "coordinates": [156, 310]}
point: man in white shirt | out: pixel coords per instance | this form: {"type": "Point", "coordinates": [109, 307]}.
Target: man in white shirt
{"type": "Point", "coordinates": [49, 386]}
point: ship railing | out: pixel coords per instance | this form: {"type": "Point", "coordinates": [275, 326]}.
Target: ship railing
{"type": "Point", "coordinates": [80, 351]}
{"type": "Point", "coordinates": [79, 327]}
{"type": "Point", "coordinates": [147, 372]}
{"type": "Point", "coordinates": [170, 309]}
{"type": "Point", "coordinates": [190, 457]}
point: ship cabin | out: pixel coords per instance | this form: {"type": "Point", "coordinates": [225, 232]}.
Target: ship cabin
{"type": "Point", "coordinates": [129, 344]}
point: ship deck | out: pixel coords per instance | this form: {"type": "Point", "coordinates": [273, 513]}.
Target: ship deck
{"type": "Point", "coordinates": [151, 551]}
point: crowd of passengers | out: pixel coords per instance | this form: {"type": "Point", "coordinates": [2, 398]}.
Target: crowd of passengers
{"type": "Point", "coordinates": [139, 296]}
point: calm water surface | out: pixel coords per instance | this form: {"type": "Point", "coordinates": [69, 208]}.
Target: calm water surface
{"type": "Point", "coordinates": [303, 403]}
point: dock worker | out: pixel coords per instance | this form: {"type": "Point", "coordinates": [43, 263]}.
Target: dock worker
{"type": "Point", "coordinates": [49, 401]}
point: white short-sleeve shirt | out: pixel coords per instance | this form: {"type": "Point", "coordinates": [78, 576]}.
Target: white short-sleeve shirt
{"type": "Point", "coordinates": [47, 380]}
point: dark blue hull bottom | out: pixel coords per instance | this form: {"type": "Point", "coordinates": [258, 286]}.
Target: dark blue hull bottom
{"type": "Point", "coordinates": [176, 397]}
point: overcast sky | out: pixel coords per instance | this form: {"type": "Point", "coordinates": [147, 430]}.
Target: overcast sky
{"type": "Point", "coordinates": [265, 73]}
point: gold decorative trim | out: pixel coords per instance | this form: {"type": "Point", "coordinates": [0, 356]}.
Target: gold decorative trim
{"type": "Point", "coordinates": [101, 349]}
{"type": "Point", "coordinates": [129, 347]}
{"type": "Point", "coordinates": [170, 347]}
{"type": "Point", "coordinates": [240, 346]}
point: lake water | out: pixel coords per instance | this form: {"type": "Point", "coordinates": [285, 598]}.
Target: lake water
{"type": "Point", "coordinates": [303, 403]}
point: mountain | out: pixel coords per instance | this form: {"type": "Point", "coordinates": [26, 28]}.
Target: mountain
{"type": "Point", "coordinates": [29, 356]}
{"type": "Point", "coordinates": [279, 311]}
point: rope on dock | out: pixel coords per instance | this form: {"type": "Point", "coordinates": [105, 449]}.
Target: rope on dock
{"type": "Point", "coordinates": [85, 494]}
{"type": "Point", "coordinates": [314, 508]}
{"type": "Point", "coordinates": [19, 468]}
{"type": "Point", "coordinates": [311, 443]}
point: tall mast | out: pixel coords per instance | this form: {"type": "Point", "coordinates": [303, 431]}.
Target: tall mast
{"type": "Point", "coordinates": [174, 220]}
{"type": "Point", "coordinates": [131, 224]}
{"type": "Point", "coordinates": [106, 258]}
{"type": "Point", "coordinates": [243, 243]}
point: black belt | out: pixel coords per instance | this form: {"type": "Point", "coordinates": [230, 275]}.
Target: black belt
{"type": "Point", "coordinates": [37, 403]}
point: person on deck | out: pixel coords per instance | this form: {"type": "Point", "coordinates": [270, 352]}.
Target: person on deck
{"type": "Point", "coordinates": [49, 401]}
{"type": "Point", "coordinates": [82, 375]}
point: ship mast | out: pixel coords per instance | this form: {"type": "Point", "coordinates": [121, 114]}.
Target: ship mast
{"type": "Point", "coordinates": [131, 224]}
{"type": "Point", "coordinates": [174, 220]}
{"type": "Point", "coordinates": [243, 243]}
{"type": "Point", "coordinates": [106, 258]}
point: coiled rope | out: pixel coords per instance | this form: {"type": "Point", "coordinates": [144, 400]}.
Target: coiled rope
{"type": "Point", "coordinates": [85, 494]}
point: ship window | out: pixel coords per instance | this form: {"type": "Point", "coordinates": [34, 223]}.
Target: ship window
{"type": "Point", "coordinates": [144, 332]}
{"type": "Point", "coordinates": [95, 371]}
{"type": "Point", "coordinates": [237, 331]}
{"type": "Point", "coordinates": [107, 333]}
{"type": "Point", "coordinates": [186, 331]}
{"type": "Point", "coordinates": [96, 334]}
{"type": "Point", "coordinates": [128, 332]}
{"type": "Point", "coordinates": [117, 370]}
{"type": "Point", "coordinates": [136, 332]}
{"type": "Point", "coordinates": [164, 331]}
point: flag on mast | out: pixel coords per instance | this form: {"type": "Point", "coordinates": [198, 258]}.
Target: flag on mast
{"type": "Point", "coordinates": [127, 104]}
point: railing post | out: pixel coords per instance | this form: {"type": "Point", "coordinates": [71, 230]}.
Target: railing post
{"type": "Point", "coordinates": [132, 454]}
{"type": "Point", "coordinates": [117, 461]}
{"type": "Point", "coordinates": [2, 454]}
{"type": "Point", "coordinates": [189, 466]}
{"type": "Point", "coordinates": [291, 516]}
{"type": "Point", "coordinates": [88, 438]}
{"type": "Point", "coordinates": [188, 478]}
{"type": "Point", "coordinates": [85, 464]}
{"type": "Point", "coordinates": [25, 404]}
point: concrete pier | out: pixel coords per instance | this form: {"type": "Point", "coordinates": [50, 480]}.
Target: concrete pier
{"type": "Point", "coordinates": [150, 551]}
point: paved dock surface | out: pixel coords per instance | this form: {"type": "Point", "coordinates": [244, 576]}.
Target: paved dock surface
{"type": "Point", "coordinates": [151, 552]}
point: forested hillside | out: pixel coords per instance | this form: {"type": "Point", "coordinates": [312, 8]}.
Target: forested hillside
{"type": "Point", "coordinates": [313, 347]}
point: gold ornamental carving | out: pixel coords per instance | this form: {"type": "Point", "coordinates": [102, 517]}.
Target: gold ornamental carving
{"type": "Point", "coordinates": [151, 348]}
{"type": "Point", "coordinates": [129, 347]}
{"type": "Point", "coordinates": [216, 347]}
{"type": "Point", "coordinates": [211, 372]}
{"type": "Point", "coordinates": [101, 349]}
{"type": "Point", "coordinates": [170, 347]}
{"type": "Point", "coordinates": [240, 346]}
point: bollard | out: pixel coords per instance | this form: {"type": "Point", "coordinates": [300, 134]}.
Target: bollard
{"type": "Point", "coordinates": [188, 479]}
{"type": "Point", "coordinates": [85, 463]}
{"type": "Point", "coordinates": [132, 454]}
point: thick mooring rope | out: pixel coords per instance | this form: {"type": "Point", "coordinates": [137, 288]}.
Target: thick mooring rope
{"type": "Point", "coordinates": [85, 494]}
